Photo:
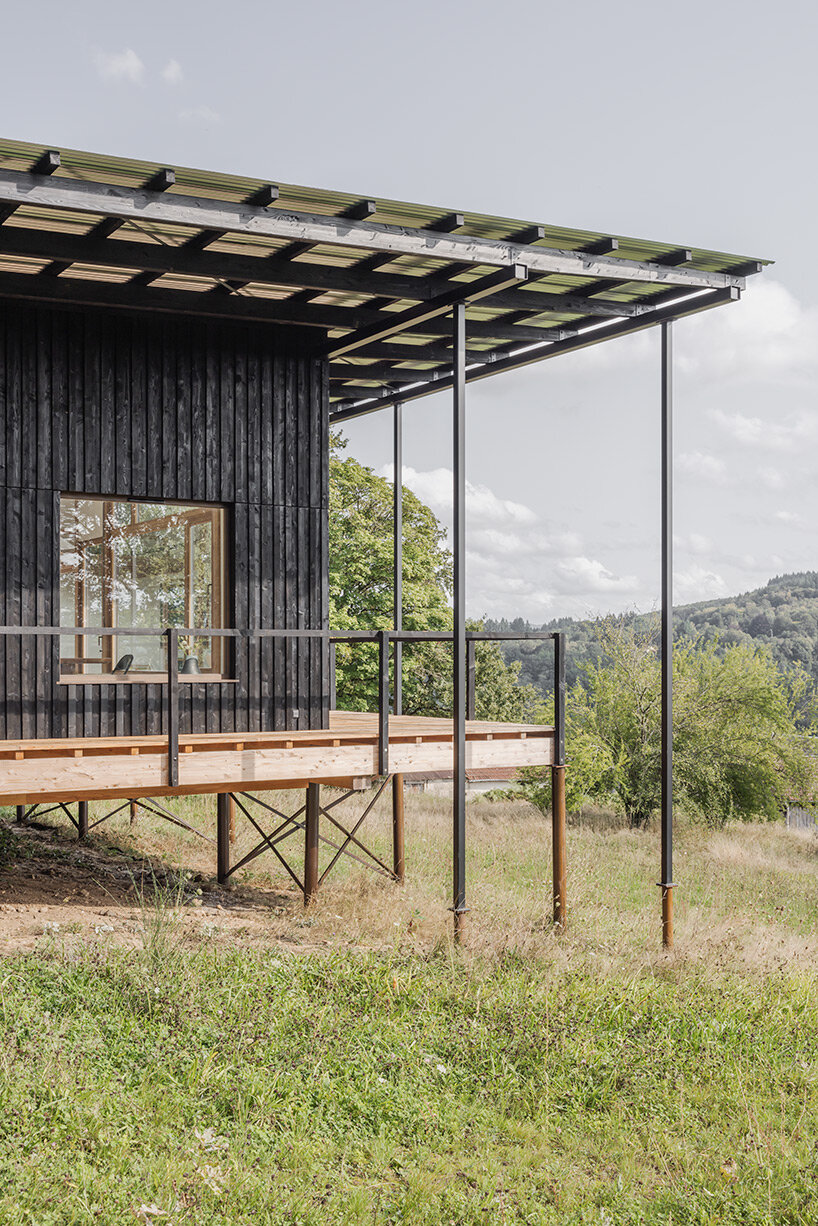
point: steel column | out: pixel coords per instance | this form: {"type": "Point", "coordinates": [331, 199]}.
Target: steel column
{"type": "Point", "coordinates": [311, 819]}
{"type": "Point", "coordinates": [82, 819]}
{"type": "Point", "coordinates": [398, 851]}
{"type": "Point", "coordinates": [398, 856]}
{"type": "Point", "coordinates": [173, 707]}
{"type": "Point", "coordinates": [224, 816]}
{"type": "Point", "coordinates": [559, 859]}
{"type": "Point", "coordinates": [666, 882]}
{"type": "Point", "coordinates": [459, 616]}
{"type": "Point", "coordinates": [397, 542]}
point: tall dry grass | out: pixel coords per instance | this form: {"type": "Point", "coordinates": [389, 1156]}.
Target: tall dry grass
{"type": "Point", "coordinates": [746, 895]}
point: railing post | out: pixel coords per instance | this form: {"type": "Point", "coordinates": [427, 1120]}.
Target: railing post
{"type": "Point", "coordinates": [383, 702]}
{"type": "Point", "coordinates": [560, 872]}
{"type": "Point", "coordinates": [333, 693]}
{"type": "Point", "coordinates": [471, 679]}
{"type": "Point", "coordinates": [173, 707]}
{"type": "Point", "coordinates": [311, 818]}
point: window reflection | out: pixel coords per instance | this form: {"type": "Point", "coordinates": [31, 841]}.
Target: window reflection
{"type": "Point", "coordinates": [139, 564]}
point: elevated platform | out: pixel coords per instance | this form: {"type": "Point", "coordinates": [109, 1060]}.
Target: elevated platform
{"type": "Point", "coordinates": [346, 754]}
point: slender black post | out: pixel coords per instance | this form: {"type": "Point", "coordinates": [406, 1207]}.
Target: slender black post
{"type": "Point", "coordinates": [666, 882]}
{"type": "Point", "coordinates": [333, 689]}
{"type": "Point", "coordinates": [82, 819]}
{"type": "Point", "coordinates": [224, 807]}
{"type": "Point", "coordinates": [471, 679]}
{"type": "Point", "coordinates": [459, 616]}
{"type": "Point", "coordinates": [312, 817]}
{"type": "Point", "coordinates": [398, 852]}
{"type": "Point", "coordinates": [558, 815]}
{"type": "Point", "coordinates": [383, 702]}
{"type": "Point", "coordinates": [397, 520]}
{"type": "Point", "coordinates": [173, 708]}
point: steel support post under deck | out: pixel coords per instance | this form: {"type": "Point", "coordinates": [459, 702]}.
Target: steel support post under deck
{"type": "Point", "coordinates": [666, 883]}
{"type": "Point", "coordinates": [398, 855]}
{"type": "Point", "coordinates": [312, 815]}
{"type": "Point", "coordinates": [82, 819]}
{"type": "Point", "coordinates": [224, 818]}
{"type": "Point", "coordinates": [459, 614]}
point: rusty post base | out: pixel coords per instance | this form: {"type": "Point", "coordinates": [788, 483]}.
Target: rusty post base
{"type": "Point", "coordinates": [460, 925]}
{"type": "Point", "coordinates": [667, 916]}
{"type": "Point", "coordinates": [398, 853]}
{"type": "Point", "coordinates": [134, 810]}
{"type": "Point", "coordinates": [311, 816]}
{"type": "Point", "coordinates": [558, 846]}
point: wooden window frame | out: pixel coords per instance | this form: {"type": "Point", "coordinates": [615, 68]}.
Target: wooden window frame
{"type": "Point", "coordinates": [194, 513]}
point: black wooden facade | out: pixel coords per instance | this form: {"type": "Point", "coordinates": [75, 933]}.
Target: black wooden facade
{"type": "Point", "coordinates": [164, 407]}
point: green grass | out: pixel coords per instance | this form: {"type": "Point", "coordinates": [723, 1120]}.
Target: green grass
{"type": "Point", "coordinates": [365, 1088]}
{"type": "Point", "coordinates": [524, 1079]}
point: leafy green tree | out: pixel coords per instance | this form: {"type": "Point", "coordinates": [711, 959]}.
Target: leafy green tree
{"type": "Point", "coordinates": [360, 545]}
{"type": "Point", "coordinates": [737, 750]}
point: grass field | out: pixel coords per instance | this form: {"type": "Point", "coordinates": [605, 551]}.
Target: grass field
{"type": "Point", "coordinates": [350, 1066]}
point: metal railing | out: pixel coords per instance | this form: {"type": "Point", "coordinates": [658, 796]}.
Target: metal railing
{"type": "Point", "coordinates": [384, 639]}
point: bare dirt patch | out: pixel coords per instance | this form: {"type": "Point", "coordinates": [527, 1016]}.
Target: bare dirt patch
{"type": "Point", "coordinates": [53, 886]}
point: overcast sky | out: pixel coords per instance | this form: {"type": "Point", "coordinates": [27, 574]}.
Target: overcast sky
{"type": "Point", "coordinates": [692, 124]}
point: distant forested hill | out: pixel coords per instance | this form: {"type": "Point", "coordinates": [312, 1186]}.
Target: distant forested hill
{"type": "Point", "coordinates": [782, 616]}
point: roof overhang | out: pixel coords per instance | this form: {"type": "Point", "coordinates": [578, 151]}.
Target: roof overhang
{"type": "Point", "coordinates": [375, 279]}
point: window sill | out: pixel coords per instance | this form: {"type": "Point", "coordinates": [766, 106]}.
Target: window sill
{"type": "Point", "coordinates": [143, 679]}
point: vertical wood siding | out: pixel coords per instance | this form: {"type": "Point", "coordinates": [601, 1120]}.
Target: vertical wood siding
{"type": "Point", "coordinates": [126, 406]}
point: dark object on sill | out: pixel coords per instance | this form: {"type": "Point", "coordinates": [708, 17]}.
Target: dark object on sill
{"type": "Point", "coordinates": [123, 664]}
{"type": "Point", "coordinates": [190, 665]}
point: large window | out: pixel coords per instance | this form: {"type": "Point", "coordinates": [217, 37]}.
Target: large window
{"type": "Point", "coordinates": [140, 564]}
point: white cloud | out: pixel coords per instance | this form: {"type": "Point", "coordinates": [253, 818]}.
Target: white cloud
{"type": "Point", "coordinates": [434, 487]}
{"type": "Point", "coordinates": [516, 564]}
{"type": "Point", "coordinates": [588, 576]}
{"type": "Point", "coordinates": [771, 478]}
{"type": "Point", "coordinates": [787, 517]}
{"type": "Point", "coordinates": [172, 73]}
{"type": "Point", "coordinates": [702, 465]}
{"type": "Point", "coordinates": [120, 66]}
{"type": "Point", "coordinates": [697, 583]}
{"type": "Point", "coordinates": [200, 114]}
{"type": "Point", "coordinates": [787, 434]}
{"type": "Point", "coordinates": [768, 335]}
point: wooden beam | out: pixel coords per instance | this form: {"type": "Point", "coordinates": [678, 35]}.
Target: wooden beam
{"type": "Point", "coordinates": [190, 260]}
{"type": "Point", "coordinates": [203, 214]}
{"type": "Point", "coordinates": [45, 165]}
{"type": "Point", "coordinates": [399, 321]}
{"type": "Point", "coordinates": [691, 306]}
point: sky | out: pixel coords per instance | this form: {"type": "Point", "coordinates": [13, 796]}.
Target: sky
{"type": "Point", "coordinates": [689, 124]}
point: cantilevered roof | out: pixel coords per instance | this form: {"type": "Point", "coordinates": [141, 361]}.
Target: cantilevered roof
{"type": "Point", "coordinates": [375, 279]}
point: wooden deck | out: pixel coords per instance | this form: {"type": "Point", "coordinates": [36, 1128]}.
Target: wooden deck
{"type": "Point", "coordinates": [346, 754]}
